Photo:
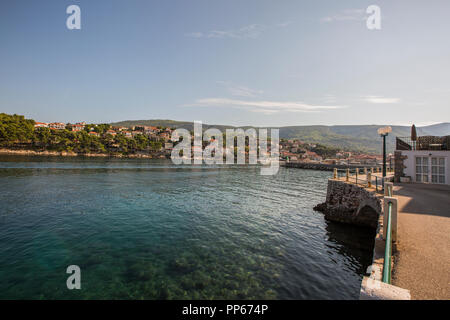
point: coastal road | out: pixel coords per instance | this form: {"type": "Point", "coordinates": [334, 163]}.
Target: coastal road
{"type": "Point", "coordinates": [422, 260]}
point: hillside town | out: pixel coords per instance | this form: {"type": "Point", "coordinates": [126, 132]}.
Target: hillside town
{"type": "Point", "coordinates": [293, 150]}
{"type": "Point", "coordinates": [161, 136]}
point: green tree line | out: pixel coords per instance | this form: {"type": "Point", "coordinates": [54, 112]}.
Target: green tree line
{"type": "Point", "coordinates": [16, 131]}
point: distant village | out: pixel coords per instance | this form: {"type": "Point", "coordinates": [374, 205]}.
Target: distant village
{"type": "Point", "coordinates": [293, 150]}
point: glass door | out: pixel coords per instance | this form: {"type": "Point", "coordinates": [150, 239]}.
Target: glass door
{"type": "Point", "coordinates": [437, 170]}
{"type": "Point", "coordinates": [422, 169]}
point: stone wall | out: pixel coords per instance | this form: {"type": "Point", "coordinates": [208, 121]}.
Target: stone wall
{"type": "Point", "coordinates": [349, 203]}
{"type": "Point", "coordinates": [399, 165]}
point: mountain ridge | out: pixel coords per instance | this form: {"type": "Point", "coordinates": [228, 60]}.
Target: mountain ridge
{"type": "Point", "coordinates": [350, 137]}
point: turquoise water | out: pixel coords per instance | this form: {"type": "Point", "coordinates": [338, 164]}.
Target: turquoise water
{"type": "Point", "coordinates": [146, 229]}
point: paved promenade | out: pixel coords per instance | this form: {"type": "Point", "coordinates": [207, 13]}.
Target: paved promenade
{"type": "Point", "coordinates": [422, 261]}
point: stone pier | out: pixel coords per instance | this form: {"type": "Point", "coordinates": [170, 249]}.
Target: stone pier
{"type": "Point", "coordinates": [350, 203]}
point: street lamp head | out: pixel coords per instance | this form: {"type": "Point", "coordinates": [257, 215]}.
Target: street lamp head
{"type": "Point", "coordinates": [384, 131]}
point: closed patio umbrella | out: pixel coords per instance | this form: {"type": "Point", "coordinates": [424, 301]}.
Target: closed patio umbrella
{"type": "Point", "coordinates": [413, 136]}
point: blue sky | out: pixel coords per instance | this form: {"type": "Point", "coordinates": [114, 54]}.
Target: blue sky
{"type": "Point", "coordinates": [238, 62]}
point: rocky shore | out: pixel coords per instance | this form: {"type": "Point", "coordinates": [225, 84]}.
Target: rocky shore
{"type": "Point", "coordinates": [73, 154]}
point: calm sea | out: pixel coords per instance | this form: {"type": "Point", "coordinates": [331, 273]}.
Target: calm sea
{"type": "Point", "coordinates": [146, 229]}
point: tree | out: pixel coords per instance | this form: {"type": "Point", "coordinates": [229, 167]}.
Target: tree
{"type": "Point", "coordinates": [15, 129]}
{"type": "Point", "coordinates": [41, 137]}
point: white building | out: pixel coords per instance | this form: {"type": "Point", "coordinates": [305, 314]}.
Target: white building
{"type": "Point", "coordinates": [425, 162]}
{"type": "Point", "coordinates": [427, 166]}
{"type": "Point", "coordinates": [41, 125]}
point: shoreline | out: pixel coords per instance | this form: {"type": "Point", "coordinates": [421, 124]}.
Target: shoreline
{"type": "Point", "coordinates": [46, 153]}
{"type": "Point", "coordinates": [325, 166]}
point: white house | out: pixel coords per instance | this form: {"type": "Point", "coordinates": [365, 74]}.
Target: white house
{"type": "Point", "coordinates": [425, 162]}
{"type": "Point", "coordinates": [427, 166]}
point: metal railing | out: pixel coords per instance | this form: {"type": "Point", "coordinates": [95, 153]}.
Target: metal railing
{"type": "Point", "coordinates": [389, 229]}
{"type": "Point", "coordinates": [388, 248]}
{"type": "Point", "coordinates": [390, 221]}
{"type": "Point", "coordinates": [362, 177]}
{"type": "Point", "coordinates": [423, 143]}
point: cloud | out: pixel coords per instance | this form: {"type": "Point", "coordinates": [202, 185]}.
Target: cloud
{"type": "Point", "coordinates": [195, 34]}
{"type": "Point", "coordinates": [263, 106]}
{"type": "Point", "coordinates": [329, 98]}
{"type": "Point", "coordinates": [284, 24]}
{"type": "Point", "coordinates": [345, 15]}
{"type": "Point", "coordinates": [380, 100]}
{"type": "Point", "coordinates": [247, 32]}
{"type": "Point", "coordinates": [240, 91]}
{"type": "Point", "coordinates": [251, 31]}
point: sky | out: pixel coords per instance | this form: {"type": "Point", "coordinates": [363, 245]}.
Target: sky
{"type": "Point", "coordinates": [235, 62]}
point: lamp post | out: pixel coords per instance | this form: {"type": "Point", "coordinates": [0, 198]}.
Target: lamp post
{"type": "Point", "coordinates": [390, 161]}
{"type": "Point", "coordinates": [383, 132]}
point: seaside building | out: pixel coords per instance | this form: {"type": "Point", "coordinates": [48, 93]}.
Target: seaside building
{"type": "Point", "coordinates": [168, 146]}
{"type": "Point", "coordinates": [57, 126]}
{"type": "Point", "coordinates": [164, 136]}
{"type": "Point", "coordinates": [136, 132]}
{"type": "Point", "coordinates": [127, 134]}
{"type": "Point", "coordinates": [423, 159]}
{"type": "Point", "coordinates": [152, 135]}
{"type": "Point", "coordinates": [312, 156]}
{"type": "Point", "coordinates": [75, 127]}
{"type": "Point", "coordinates": [150, 129]}
{"type": "Point", "coordinates": [40, 125]}
{"type": "Point", "coordinates": [111, 132]}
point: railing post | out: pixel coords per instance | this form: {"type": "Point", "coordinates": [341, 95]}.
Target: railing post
{"type": "Point", "coordinates": [347, 175]}
{"type": "Point", "coordinates": [365, 171]}
{"type": "Point", "coordinates": [388, 189]}
{"type": "Point", "coordinates": [357, 171]}
{"type": "Point", "coordinates": [394, 216]}
{"type": "Point", "coordinates": [335, 173]}
{"type": "Point", "coordinates": [369, 179]}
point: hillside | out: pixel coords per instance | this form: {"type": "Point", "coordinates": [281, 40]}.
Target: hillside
{"type": "Point", "coordinates": [352, 137]}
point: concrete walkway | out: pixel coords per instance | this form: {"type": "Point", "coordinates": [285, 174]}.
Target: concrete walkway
{"type": "Point", "coordinates": [422, 260]}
